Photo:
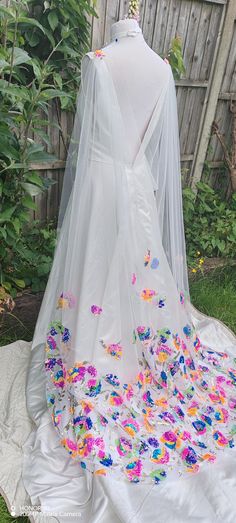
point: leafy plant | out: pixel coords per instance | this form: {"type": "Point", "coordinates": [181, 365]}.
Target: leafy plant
{"type": "Point", "coordinates": [175, 57]}
{"type": "Point", "coordinates": [34, 254]}
{"type": "Point", "coordinates": [35, 40]}
{"type": "Point", "coordinates": [210, 223]}
{"type": "Point", "coordinates": [66, 34]}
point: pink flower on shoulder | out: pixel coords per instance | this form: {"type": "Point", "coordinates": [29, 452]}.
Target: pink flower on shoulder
{"type": "Point", "coordinates": [99, 53]}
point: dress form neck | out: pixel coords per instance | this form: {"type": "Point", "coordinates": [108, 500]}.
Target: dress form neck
{"type": "Point", "coordinates": [123, 28]}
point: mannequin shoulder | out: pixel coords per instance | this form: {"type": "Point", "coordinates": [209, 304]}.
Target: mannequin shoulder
{"type": "Point", "coordinates": [91, 60]}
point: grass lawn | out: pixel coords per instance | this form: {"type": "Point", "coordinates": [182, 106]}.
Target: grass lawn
{"type": "Point", "coordinates": [213, 294]}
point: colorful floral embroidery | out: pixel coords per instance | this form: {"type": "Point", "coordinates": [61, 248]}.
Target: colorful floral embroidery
{"type": "Point", "coordinates": [134, 278]}
{"type": "Point", "coordinates": [144, 333]}
{"type": "Point", "coordinates": [66, 301]}
{"type": "Point", "coordinates": [187, 331]}
{"type": "Point", "coordinates": [114, 349]}
{"type": "Point", "coordinates": [153, 420]}
{"type": "Point", "coordinates": [96, 310]}
{"type": "Point", "coordinates": [181, 296]}
{"type": "Point", "coordinates": [99, 53]}
{"type": "Point", "coordinates": [147, 258]}
{"type": "Point", "coordinates": [148, 294]}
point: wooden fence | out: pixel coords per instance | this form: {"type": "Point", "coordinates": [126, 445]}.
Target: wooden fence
{"type": "Point", "coordinates": [208, 32]}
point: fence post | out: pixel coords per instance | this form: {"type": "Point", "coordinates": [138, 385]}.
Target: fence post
{"type": "Point", "coordinates": [213, 92]}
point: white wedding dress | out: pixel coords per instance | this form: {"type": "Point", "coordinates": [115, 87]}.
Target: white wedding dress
{"type": "Point", "coordinates": [129, 411]}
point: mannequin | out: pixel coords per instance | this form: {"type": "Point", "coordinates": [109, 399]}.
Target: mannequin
{"type": "Point", "coordinates": [136, 80]}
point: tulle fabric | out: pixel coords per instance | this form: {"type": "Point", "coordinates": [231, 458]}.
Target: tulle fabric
{"type": "Point", "coordinates": [131, 388]}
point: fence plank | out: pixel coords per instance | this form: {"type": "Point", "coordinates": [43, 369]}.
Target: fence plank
{"type": "Point", "coordinates": [199, 24]}
{"type": "Point", "coordinates": [213, 92]}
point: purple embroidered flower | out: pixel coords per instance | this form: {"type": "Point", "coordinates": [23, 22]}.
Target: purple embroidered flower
{"type": "Point", "coordinates": [51, 343]}
{"type": "Point", "coordinates": [91, 370]}
{"type": "Point", "coordinates": [65, 335]}
{"type": "Point", "coordinates": [96, 310]}
{"type": "Point", "coordinates": [161, 303]}
{"type": "Point", "coordinates": [93, 388]}
{"type": "Point", "coordinates": [106, 461]}
{"type": "Point", "coordinates": [153, 442]}
{"type": "Point", "coordinates": [189, 456]}
{"type": "Point", "coordinates": [112, 379]}
{"type": "Point", "coordinates": [155, 263]}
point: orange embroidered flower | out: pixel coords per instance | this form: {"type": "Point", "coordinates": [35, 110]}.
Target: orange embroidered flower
{"type": "Point", "coordinates": [99, 53]}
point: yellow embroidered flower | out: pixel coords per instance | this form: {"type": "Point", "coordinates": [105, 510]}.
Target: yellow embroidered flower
{"type": "Point", "coordinates": [100, 472]}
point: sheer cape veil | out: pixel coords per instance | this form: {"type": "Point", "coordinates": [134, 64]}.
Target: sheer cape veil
{"type": "Point", "coordinates": [99, 133]}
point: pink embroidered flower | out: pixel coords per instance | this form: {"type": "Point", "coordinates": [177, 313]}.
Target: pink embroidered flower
{"type": "Point", "coordinates": [220, 439]}
{"type": "Point", "coordinates": [221, 415]}
{"type": "Point", "coordinates": [114, 349]}
{"type": "Point", "coordinates": [131, 426]}
{"type": "Point", "coordinates": [209, 457]}
{"type": "Point", "coordinates": [76, 373]}
{"type": "Point", "coordinates": [134, 470]}
{"type": "Point", "coordinates": [129, 391]}
{"type": "Point", "coordinates": [123, 446]}
{"type": "Point", "coordinates": [232, 403]}
{"type": "Point", "coordinates": [85, 446]}
{"type": "Point", "coordinates": [163, 352]}
{"type": "Point", "coordinates": [160, 455]}
{"type": "Point", "coordinates": [96, 310]}
{"type": "Point", "coordinates": [99, 53]}
{"type": "Point", "coordinates": [70, 446]}
{"type": "Point", "coordinates": [170, 439]}
{"type": "Point", "coordinates": [115, 398]}
{"type": "Point", "coordinates": [134, 278]}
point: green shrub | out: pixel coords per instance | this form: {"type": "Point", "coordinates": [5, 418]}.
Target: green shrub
{"type": "Point", "coordinates": [37, 40]}
{"type": "Point", "coordinates": [210, 223]}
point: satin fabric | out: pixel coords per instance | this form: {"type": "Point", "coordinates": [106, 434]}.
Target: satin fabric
{"type": "Point", "coordinates": [31, 472]}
